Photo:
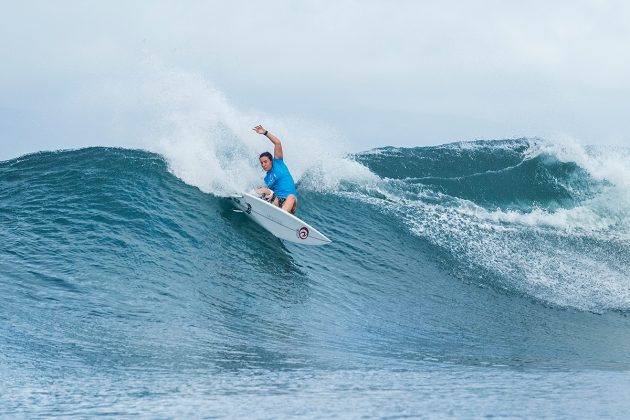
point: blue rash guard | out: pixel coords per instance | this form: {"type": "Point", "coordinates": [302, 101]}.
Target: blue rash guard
{"type": "Point", "coordinates": [279, 179]}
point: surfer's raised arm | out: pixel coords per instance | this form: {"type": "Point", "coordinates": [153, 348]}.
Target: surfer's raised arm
{"type": "Point", "coordinates": [277, 149]}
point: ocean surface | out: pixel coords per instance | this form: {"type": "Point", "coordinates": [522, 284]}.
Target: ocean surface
{"type": "Point", "coordinates": [473, 279]}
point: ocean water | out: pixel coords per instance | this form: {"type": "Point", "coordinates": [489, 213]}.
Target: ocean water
{"type": "Point", "coordinates": [486, 278]}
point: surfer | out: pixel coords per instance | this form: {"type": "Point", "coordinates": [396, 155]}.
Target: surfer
{"type": "Point", "coordinates": [280, 189]}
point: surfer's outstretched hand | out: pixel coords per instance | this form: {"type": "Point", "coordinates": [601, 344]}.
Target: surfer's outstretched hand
{"type": "Point", "coordinates": [259, 129]}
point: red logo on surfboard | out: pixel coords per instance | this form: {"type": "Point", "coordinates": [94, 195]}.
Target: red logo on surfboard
{"type": "Point", "coordinates": [302, 232]}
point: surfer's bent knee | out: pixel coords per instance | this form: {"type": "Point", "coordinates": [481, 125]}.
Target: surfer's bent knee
{"type": "Point", "coordinates": [281, 200]}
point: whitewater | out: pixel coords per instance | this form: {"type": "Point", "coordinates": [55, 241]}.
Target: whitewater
{"type": "Point", "coordinates": [476, 278]}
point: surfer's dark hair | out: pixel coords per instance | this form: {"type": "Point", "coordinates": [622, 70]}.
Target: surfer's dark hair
{"type": "Point", "coordinates": [267, 154]}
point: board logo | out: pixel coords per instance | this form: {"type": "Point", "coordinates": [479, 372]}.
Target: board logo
{"type": "Point", "coordinates": [248, 210]}
{"type": "Point", "coordinates": [302, 232]}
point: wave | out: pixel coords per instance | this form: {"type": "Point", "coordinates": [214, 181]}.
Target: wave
{"type": "Point", "coordinates": [523, 216]}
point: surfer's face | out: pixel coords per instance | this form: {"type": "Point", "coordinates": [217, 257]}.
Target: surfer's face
{"type": "Point", "coordinates": [265, 162]}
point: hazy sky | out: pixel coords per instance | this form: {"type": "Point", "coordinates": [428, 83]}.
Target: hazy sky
{"type": "Point", "coordinates": [379, 73]}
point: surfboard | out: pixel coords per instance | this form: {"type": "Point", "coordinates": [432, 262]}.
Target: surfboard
{"type": "Point", "coordinates": [280, 223]}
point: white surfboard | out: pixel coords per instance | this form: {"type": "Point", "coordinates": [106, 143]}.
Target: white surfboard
{"type": "Point", "coordinates": [282, 224]}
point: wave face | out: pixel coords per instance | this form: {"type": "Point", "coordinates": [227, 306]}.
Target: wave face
{"type": "Point", "coordinates": [124, 287]}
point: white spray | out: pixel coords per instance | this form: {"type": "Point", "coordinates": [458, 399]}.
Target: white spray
{"type": "Point", "coordinates": [209, 144]}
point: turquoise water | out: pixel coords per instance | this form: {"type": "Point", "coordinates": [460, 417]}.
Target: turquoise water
{"type": "Point", "coordinates": [471, 279]}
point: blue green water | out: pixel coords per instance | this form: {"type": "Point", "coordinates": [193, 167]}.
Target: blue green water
{"type": "Point", "coordinates": [465, 280]}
